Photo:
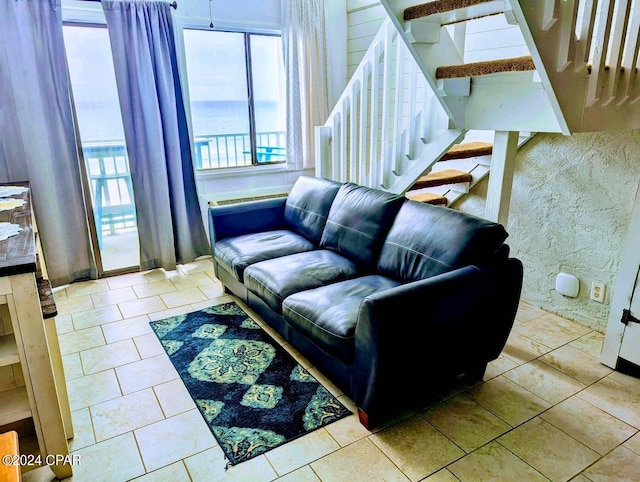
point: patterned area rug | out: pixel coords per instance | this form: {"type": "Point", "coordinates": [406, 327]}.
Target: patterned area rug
{"type": "Point", "coordinates": [252, 393]}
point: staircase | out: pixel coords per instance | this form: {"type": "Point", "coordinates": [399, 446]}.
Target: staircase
{"type": "Point", "coordinates": [414, 114]}
{"type": "Point", "coordinates": [456, 172]}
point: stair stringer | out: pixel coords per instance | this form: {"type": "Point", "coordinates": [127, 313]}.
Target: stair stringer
{"type": "Point", "coordinates": [439, 53]}
{"type": "Point", "coordinates": [564, 83]}
{"type": "Point", "coordinates": [400, 184]}
{"type": "Point", "coordinates": [526, 108]}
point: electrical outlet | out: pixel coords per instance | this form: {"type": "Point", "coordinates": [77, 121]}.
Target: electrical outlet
{"type": "Point", "coordinates": [597, 291]}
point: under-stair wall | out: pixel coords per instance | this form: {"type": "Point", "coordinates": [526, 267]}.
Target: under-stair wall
{"type": "Point", "coordinates": [570, 208]}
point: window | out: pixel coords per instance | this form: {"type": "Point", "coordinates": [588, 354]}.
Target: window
{"type": "Point", "coordinates": [236, 91]}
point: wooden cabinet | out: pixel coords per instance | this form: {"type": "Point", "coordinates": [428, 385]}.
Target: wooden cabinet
{"type": "Point", "coordinates": [31, 375]}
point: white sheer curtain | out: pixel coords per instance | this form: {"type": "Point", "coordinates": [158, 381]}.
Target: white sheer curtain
{"type": "Point", "coordinates": [305, 63]}
{"type": "Point", "coordinates": [37, 141]}
{"type": "Point", "coordinates": [170, 224]}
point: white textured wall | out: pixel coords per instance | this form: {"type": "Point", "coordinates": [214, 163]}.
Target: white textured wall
{"type": "Point", "coordinates": [570, 208]}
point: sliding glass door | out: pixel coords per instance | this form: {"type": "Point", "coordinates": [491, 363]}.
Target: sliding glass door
{"type": "Point", "coordinates": [103, 146]}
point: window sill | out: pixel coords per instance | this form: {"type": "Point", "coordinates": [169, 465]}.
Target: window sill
{"type": "Point", "coordinates": [246, 171]}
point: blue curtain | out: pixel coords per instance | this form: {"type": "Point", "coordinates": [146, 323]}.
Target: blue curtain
{"type": "Point", "coordinates": [37, 140]}
{"type": "Point", "coordinates": [170, 224]}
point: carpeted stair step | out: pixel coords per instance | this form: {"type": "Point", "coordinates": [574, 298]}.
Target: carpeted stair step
{"type": "Point", "coordinates": [429, 198]}
{"type": "Point", "coordinates": [452, 11]}
{"type": "Point", "coordinates": [47, 302]}
{"type": "Point", "coordinates": [467, 150]}
{"type": "Point", "coordinates": [441, 178]}
{"type": "Point", "coordinates": [516, 64]}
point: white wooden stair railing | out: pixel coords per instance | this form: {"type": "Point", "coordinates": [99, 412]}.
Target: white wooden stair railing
{"type": "Point", "coordinates": [388, 127]}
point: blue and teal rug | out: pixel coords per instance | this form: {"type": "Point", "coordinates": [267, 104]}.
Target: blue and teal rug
{"type": "Point", "coordinates": [252, 393]}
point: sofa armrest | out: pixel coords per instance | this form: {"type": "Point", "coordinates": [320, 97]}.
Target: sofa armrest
{"type": "Point", "coordinates": [409, 337]}
{"type": "Point", "coordinates": [245, 218]}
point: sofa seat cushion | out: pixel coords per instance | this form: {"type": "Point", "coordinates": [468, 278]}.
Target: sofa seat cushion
{"type": "Point", "coordinates": [328, 315]}
{"type": "Point", "coordinates": [236, 253]}
{"type": "Point", "coordinates": [275, 279]}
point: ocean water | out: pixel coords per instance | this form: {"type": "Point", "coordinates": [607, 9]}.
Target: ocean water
{"type": "Point", "coordinates": [101, 121]}
{"type": "Point", "coordinates": [232, 117]}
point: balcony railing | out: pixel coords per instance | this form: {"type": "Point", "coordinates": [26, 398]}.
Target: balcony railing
{"type": "Point", "coordinates": [111, 187]}
{"type": "Point", "coordinates": [234, 150]}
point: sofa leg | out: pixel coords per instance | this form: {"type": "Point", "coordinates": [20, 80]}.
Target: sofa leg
{"type": "Point", "coordinates": [475, 373]}
{"type": "Point", "coordinates": [363, 417]}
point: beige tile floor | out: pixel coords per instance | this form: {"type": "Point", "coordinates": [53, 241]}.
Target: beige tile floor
{"type": "Point", "coordinates": [546, 410]}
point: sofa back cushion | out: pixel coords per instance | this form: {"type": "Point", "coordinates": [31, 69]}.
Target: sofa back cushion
{"type": "Point", "coordinates": [308, 204]}
{"type": "Point", "coordinates": [427, 240]}
{"type": "Point", "coordinates": [358, 221]}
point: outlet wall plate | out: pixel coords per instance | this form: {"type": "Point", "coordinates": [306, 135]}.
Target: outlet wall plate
{"type": "Point", "coordinates": [597, 293]}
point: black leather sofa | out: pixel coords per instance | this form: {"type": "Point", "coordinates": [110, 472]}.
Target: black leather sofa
{"type": "Point", "coordinates": [387, 297]}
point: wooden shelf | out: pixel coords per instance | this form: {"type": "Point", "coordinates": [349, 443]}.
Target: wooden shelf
{"type": "Point", "coordinates": [15, 405]}
{"type": "Point", "coordinates": [8, 350]}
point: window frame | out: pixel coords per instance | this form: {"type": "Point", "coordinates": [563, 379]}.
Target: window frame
{"type": "Point", "coordinates": [247, 33]}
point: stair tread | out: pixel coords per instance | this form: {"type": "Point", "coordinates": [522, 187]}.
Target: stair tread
{"type": "Point", "coordinates": [429, 198]}
{"type": "Point", "coordinates": [468, 149]}
{"type": "Point", "coordinates": [440, 178]}
{"type": "Point", "coordinates": [486, 67]}
{"type": "Point", "coordinates": [440, 6]}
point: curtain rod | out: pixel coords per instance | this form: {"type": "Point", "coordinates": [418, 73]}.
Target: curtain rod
{"type": "Point", "coordinates": [173, 4]}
